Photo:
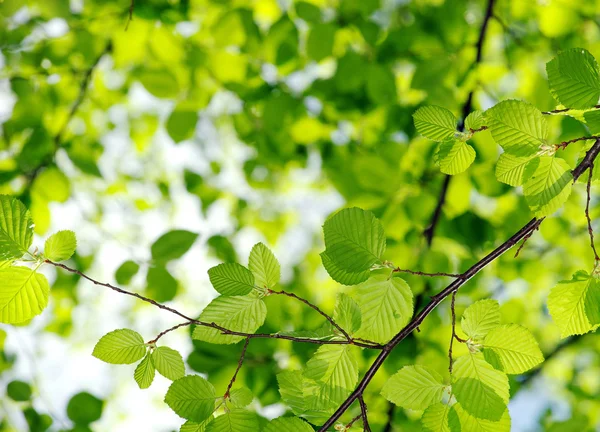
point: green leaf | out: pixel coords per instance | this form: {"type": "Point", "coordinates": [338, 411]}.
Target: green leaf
{"type": "Point", "coordinates": [319, 43]}
{"type": "Point", "coordinates": [144, 372]}
{"type": "Point", "coordinates": [181, 123]}
{"type": "Point", "coordinates": [290, 388]}
{"type": "Point", "coordinates": [84, 408]}
{"type": "Point", "coordinates": [172, 245]}
{"type": "Point", "coordinates": [516, 123]}
{"type": "Point", "coordinates": [264, 265]}
{"type": "Point", "coordinates": [354, 239]}
{"type": "Point", "coordinates": [592, 119]}
{"type": "Point", "coordinates": [435, 123]}
{"type": "Point", "coordinates": [126, 272]}
{"type": "Point", "coordinates": [330, 375]}
{"type": "Point", "coordinates": [575, 304]}
{"type": "Point", "coordinates": [386, 305]}
{"type": "Point", "coordinates": [515, 347]}
{"type": "Point", "coordinates": [549, 186]}
{"type": "Point", "coordinates": [346, 313]}
{"type": "Point", "coordinates": [168, 363]}
{"type": "Point", "coordinates": [516, 164]}
{"type": "Point", "coordinates": [236, 420]}
{"type": "Point", "coordinates": [161, 285]}
{"type": "Point", "coordinates": [18, 391]}
{"type": "Point", "coordinates": [122, 346]}
{"type": "Point", "coordinates": [190, 426]}
{"type": "Point", "coordinates": [288, 424]}
{"type": "Point", "coordinates": [381, 84]}
{"type": "Point", "coordinates": [60, 246]}
{"type": "Point", "coordinates": [479, 318]}
{"type": "Point", "coordinates": [475, 120]}
{"type": "Point", "coordinates": [414, 387]}
{"type": "Point", "coordinates": [24, 294]}
{"type": "Point", "coordinates": [481, 390]}
{"type": "Point", "coordinates": [435, 418]}
{"type": "Point", "coordinates": [243, 314]}
{"type": "Point", "coordinates": [455, 156]}
{"type": "Point", "coordinates": [574, 78]}
{"type": "Point", "coordinates": [463, 421]}
{"type": "Point", "coordinates": [191, 397]}
{"type": "Point", "coordinates": [16, 228]}
{"type": "Point", "coordinates": [241, 397]}
{"type": "Point", "coordinates": [231, 279]}
{"type": "Point", "coordinates": [342, 276]}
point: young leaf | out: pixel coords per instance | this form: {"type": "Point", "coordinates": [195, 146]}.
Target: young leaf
{"type": "Point", "coordinates": [463, 421]}
{"type": "Point", "coordinates": [481, 390]}
{"type": "Point", "coordinates": [592, 119]}
{"type": "Point", "coordinates": [144, 372]}
{"type": "Point", "coordinates": [514, 163]}
{"type": "Point", "coordinates": [455, 156]}
{"type": "Point", "coordinates": [516, 123]}
{"type": "Point", "coordinates": [342, 276]}
{"type": "Point", "coordinates": [516, 348]}
{"type": "Point", "coordinates": [24, 294]}
{"type": "Point", "coordinates": [240, 397]}
{"type": "Point", "coordinates": [475, 120]}
{"type": "Point", "coordinates": [126, 272]}
{"type": "Point", "coordinates": [60, 246]}
{"type": "Point", "coordinates": [236, 420]}
{"type": "Point", "coordinates": [574, 78]}
{"type": "Point", "coordinates": [288, 424]}
{"type": "Point", "coordinates": [122, 346]}
{"type": "Point", "coordinates": [331, 374]}
{"type": "Point", "coordinates": [231, 279]}
{"type": "Point", "coordinates": [354, 239]}
{"type": "Point", "coordinates": [479, 318]}
{"type": "Point", "coordinates": [264, 265]}
{"type": "Point", "coordinates": [172, 245]}
{"type": "Point", "coordinates": [190, 426]}
{"type": "Point", "coordinates": [575, 304]}
{"type": "Point", "coordinates": [290, 389]}
{"type": "Point", "coordinates": [346, 313]}
{"type": "Point", "coordinates": [549, 186]}
{"type": "Point", "coordinates": [191, 397]}
{"type": "Point", "coordinates": [435, 123]}
{"type": "Point", "coordinates": [16, 228]}
{"type": "Point", "coordinates": [239, 313]}
{"type": "Point", "coordinates": [414, 387]}
{"type": "Point", "coordinates": [386, 305]}
{"type": "Point", "coordinates": [435, 418]}
{"type": "Point", "coordinates": [168, 363]}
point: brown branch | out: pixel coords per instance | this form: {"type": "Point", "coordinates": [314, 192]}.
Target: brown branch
{"type": "Point", "coordinates": [420, 273]}
{"type": "Point", "coordinates": [559, 111]}
{"type": "Point", "coordinates": [527, 237]}
{"type": "Point", "coordinates": [450, 359]}
{"type": "Point", "coordinates": [587, 212]}
{"type": "Point", "coordinates": [482, 128]}
{"type": "Point", "coordinates": [164, 332]}
{"type": "Point", "coordinates": [449, 290]}
{"type": "Point", "coordinates": [239, 366]}
{"type": "Point", "coordinates": [351, 423]}
{"type": "Point", "coordinates": [363, 413]}
{"type": "Point", "coordinates": [563, 145]}
{"type": "Point", "coordinates": [223, 330]}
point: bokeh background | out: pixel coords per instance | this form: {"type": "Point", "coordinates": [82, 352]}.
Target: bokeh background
{"type": "Point", "coordinates": [253, 120]}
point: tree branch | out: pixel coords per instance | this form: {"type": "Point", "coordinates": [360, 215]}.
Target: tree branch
{"type": "Point", "coordinates": [363, 412]}
{"type": "Point", "coordinates": [585, 164]}
{"type": "Point", "coordinates": [164, 332]}
{"type": "Point", "coordinates": [587, 212]}
{"type": "Point", "coordinates": [420, 273]}
{"type": "Point", "coordinates": [239, 366]}
{"type": "Point", "coordinates": [559, 111]}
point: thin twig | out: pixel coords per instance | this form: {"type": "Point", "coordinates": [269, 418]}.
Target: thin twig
{"type": "Point", "coordinates": [164, 332]}
{"type": "Point", "coordinates": [239, 366]}
{"type": "Point", "coordinates": [420, 273]}
{"type": "Point", "coordinates": [587, 212]}
{"type": "Point", "coordinates": [563, 145]}
{"type": "Point", "coordinates": [527, 237]}
{"type": "Point", "coordinates": [559, 111]}
{"type": "Point", "coordinates": [351, 422]}
{"type": "Point", "coordinates": [363, 412]}
{"type": "Point", "coordinates": [131, 7]}
{"type": "Point", "coordinates": [450, 359]}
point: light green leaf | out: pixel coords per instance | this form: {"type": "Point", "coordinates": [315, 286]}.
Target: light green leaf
{"type": "Point", "coordinates": [479, 318]}
{"type": "Point", "coordinates": [574, 78]}
{"type": "Point", "coordinates": [414, 387]}
{"type": "Point", "coordinates": [290, 388]}
{"type": "Point", "coordinates": [435, 418]}
{"type": "Point", "coordinates": [481, 390]}
{"type": "Point", "coordinates": [16, 228]}
{"type": "Point", "coordinates": [516, 123]}
{"type": "Point", "coordinates": [288, 424]}
{"type": "Point", "coordinates": [386, 305]}
{"type": "Point", "coordinates": [475, 120]}
{"type": "Point", "coordinates": [514, 163]}
{"type": "Point", "coordinates": [190, 426]}
{"type": "Point", "coordinates": [330, 375]}
{"type": "Point", "coordinates": [236, 420]}
{"type": "Point", "coordinates": [191, 397]}
{"type": "Point", "coordinates": [515, 347]}
{"type": "Point", "coordinates": [231, 279]}
{"type": "Point", "coordinates": [172, 245]}
{"type": "Point", "coordinates": [144, 372]}
{"type": "Point", "coordinates": [122, 346]}
{"type": "Point", "coordinates": [240, 397]}
{"type": "Point", "coordinates": [346, 313]}
{"type": "Point", "coordinates": [264, 265]}
{"type": "Point", "coordinates": [354, 239]}
{"type": "Point", "coordinates": [126, 272]}
{"type": "Point", "coordinates": [455, 156]}
{"type": "Point", "coordinates": [549, 186]}
{"type": "Point", "coordinates": [238, 313]}
{"type": "Point", "coordinates": [575, 304]}
{"type": "Point", "coordinates": [463, 421]}
{"type": "Point", "coordinates": [60, 246]}
{"type": "Point", "coordinates": [435, 123]}
{"type": "Point", "coordinates": [592, 119]}
{"type": "Point", "coordinates": [168, 363]}
{"type": "Point", "coordinates": [342, 276]}
{"type": "Point", "coordinates": [24, 294]}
